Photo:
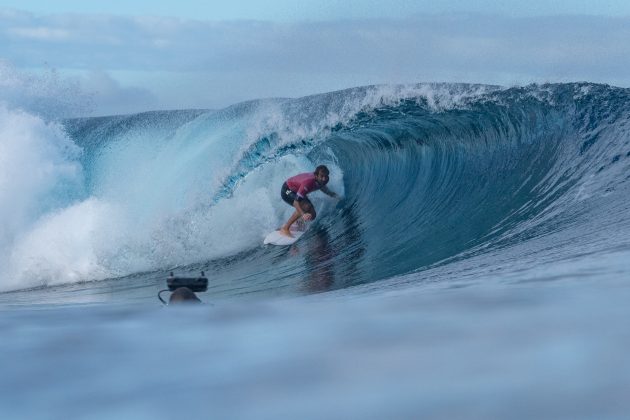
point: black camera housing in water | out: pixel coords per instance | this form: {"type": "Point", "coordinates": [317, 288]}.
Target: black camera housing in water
{"type": "Point", "coordinates": [196, 284]}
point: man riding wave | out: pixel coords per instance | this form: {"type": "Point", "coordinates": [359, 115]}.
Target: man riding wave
{"type": "Point", "coordinates": [295, 193]}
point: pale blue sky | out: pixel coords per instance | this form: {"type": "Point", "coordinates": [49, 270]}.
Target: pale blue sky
{"type": "Point", "coordinates": [283, 10]}
{"type": "Point", "coordinates": [143, 55]}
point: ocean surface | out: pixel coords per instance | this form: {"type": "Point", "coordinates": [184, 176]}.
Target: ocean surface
{"type": "Point", "coordinates": [476, 266]}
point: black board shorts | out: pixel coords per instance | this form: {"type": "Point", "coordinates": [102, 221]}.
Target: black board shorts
{"type": "Point", "coordinates": [287, 195]}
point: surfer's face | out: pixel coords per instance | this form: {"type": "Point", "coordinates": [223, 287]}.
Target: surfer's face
{"type": "Point", "coordinates": [322, 177]}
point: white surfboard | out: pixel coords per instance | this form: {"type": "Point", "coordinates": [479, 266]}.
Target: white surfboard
{"type": "Point", "coordinates": [277, 238]}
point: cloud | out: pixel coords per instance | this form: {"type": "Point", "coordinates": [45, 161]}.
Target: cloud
{"type": "Point", "coordinates": [110, 97]}
{"type": "Point", "coordinates": [145, 43]}
{"type": "Point", "coordinates": [236, 60]}
{"type": "Point", "coordinates": [52, 95]}
{"type": "Point", "coordinates": [40, 33]}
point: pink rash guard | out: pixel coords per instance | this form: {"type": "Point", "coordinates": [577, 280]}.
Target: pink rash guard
{"type": "Point", "coordinates": [303, 184]}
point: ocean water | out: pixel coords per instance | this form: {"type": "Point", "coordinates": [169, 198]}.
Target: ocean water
{"type": "Point", "coordinates": [477, 265]}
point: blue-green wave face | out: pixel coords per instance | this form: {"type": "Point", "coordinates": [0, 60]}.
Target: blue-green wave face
{"type": "Point", "coordinates": [429, 175]}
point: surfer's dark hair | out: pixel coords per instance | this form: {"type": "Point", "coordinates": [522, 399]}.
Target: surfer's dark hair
{"type": "Point", "coordinates": [322, 168]}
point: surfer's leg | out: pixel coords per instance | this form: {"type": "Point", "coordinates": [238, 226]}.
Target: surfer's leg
{"type": "Point", "coordinates": [312, 213]}
{"type": "Point", "coordinates": [285, 229]}
{"type": "Point", "coordinates": [288, 197]}
{"type": "Point", "coordinates": [307, 207]}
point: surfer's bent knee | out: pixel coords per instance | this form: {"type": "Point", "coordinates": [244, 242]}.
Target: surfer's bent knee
{"type": "Point", "coordinates": [307, 207]}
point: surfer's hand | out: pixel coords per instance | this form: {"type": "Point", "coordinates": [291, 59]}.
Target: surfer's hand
{"type": "Point", "coordinates": [307, 216]}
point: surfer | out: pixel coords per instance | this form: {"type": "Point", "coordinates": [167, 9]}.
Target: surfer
{"type": "Point", "coordinates": [295, 190]}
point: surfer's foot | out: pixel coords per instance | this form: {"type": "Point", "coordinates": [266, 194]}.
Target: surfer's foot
{"type": "Point", "coordinates": [283, 230]}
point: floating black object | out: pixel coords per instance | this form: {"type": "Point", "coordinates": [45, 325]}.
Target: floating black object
{"type": "Point", "coordinates": [196, 284]}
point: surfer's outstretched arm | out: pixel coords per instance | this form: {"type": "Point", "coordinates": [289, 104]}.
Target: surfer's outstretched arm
{"type": "Point", "coordinates": [326, 191]}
